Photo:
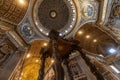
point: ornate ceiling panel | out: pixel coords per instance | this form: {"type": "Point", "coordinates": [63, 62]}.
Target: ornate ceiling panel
{"type": "Point", "coordinates": [12, 11]}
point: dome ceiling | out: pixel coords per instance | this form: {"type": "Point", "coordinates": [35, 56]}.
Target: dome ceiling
{"type": "Point", "coordinates": [53, 14]}
{"type": "Point", "coordinates": [59, 15]}
{"type": "Point", "coordinates": [64, 16]}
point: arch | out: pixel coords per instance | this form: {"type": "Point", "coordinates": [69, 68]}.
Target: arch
{"type": "Point", "coordinates": [94, 40]}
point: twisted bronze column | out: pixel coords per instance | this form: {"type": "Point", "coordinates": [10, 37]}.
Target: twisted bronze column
{"type": "Point", "coordinates": [59, 73]}
{"type": "Point", "coordinates": [41, 71]}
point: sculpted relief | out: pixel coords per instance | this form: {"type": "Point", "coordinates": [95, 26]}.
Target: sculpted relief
{"type": "Point", "coordinates": [116, 11]}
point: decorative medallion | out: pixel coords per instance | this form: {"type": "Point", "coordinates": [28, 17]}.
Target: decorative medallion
{"type": "Point", "coordinates": [27, 30]}
{"type": "Point", "coordinates": [59, 15]}
{"type": "Point", "coordinates": [88, 10]}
